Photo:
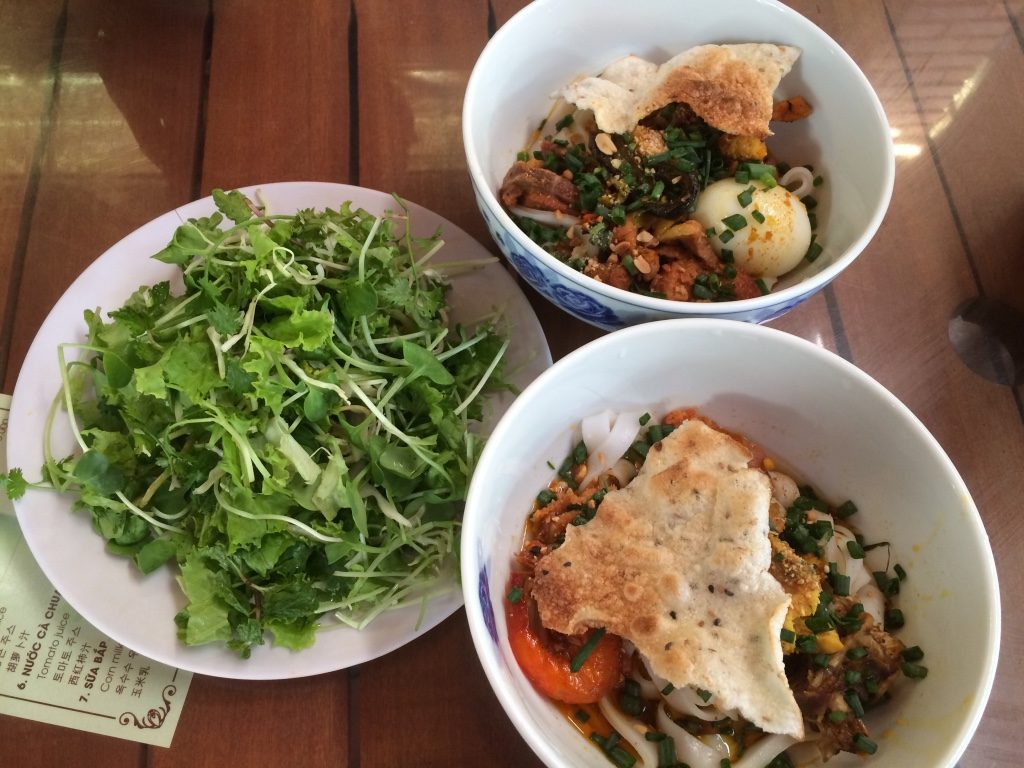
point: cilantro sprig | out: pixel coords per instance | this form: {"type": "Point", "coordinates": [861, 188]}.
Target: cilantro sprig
{"type": "Point", "coordinates": [293, 431]}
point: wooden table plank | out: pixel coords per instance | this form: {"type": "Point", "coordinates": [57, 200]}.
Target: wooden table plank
{"type": "Point", "coordinates": [278, 105]}
{"type": "Point", "coordinates": [123, 126]}
{"type": "Point", "coordinates": [270, 117]}
{"type": "Point", "coordinates": [431, 706]}
{"type": "Point", "coordinates": [261, 724]}
{"type": "Point", "coordinates": [413, 67]}
{"type": "Point", "coordinates": [957, 54]}
{"type": "Point", "coordinates": [31, 38]}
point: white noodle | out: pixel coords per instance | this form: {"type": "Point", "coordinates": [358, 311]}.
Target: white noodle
{"type": "Point", "coordinates": [764, 751]}
{"type": "Point", "coordinates": [604, 455]}
{"type": "Point", "coordinates": [689, 749]}
{"type": "Point", "coordinates": [803, 177]}
{"type": "Point", "coordinates": [550, 218]}
{"type": "Point", "coordinates": [870, 596]}
{"type": "Point", "coordinates": [596, 428]}
{"type": "Point", "coordinates": [632, 731]}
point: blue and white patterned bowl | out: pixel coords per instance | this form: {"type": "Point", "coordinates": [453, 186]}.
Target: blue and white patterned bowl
{"type": "Point", "coordinates": [550, 42]}
{"type": "Point", "coordinates": [817, 415]}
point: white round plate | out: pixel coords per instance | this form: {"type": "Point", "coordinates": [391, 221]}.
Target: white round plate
{"type": "Point", "coordinates": [107, 590]}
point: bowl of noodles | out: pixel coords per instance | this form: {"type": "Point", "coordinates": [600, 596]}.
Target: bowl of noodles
{"type": "Point", "coordinates": [681, 159]}
{"type": "Point", "coordinates": [712, 543]}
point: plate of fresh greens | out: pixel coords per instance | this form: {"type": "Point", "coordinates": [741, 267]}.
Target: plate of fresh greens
{"type": "Point", "coordinates": [256, 418]}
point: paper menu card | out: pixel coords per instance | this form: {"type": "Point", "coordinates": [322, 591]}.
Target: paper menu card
{"type": "Point", "coordinates": [56, 668]}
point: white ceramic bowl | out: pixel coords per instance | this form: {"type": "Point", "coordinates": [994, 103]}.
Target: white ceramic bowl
{"type": "Point", "coordinates": [838, 429]}
{"type": "Point", "coordinates": [551, 42]}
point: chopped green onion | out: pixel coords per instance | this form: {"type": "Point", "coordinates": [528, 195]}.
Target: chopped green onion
{"type": "Point", "coordinates": [522, 156]}
{"type": "Point", "coordinates": [864, 744]}
{"type": "Point", "coordinates": [841, 585]}
{"type": "Point", "coordinates": [821, 659]}
{"type": "Point", "coordinates": [515, 595]}
{"type": "Point", "coordinates": [742, 176]}
{"type": "Point", "coordinates": [726, 236]}
{"type": "Point", "coordinates": [726, 256]}
{"type": "Point", "coordinates": [818, 181]}
{"type": "Point", "coordinates": [900, 573]}
{"type": "Point", "coordinates": [819, 624]}
{"type": "Point", "coordinates": [768, 180]}
{"type": "Point", "coordinates": [545, 497]}
{"type": "Point", "coordinates": [735, 221]}
{"type": "Point", "coordinates": [853, 701]}
{"type": "Point", "coordinates": [893, 619]}
{"type": "Point", "coordinates": [703, 292]}
{"type": "Point", "coordinates": [631, 687]}
{"type": "Point", "coordinates": [758, 169]}
{"type": "Point", "coordinates": [871, 684]}
{"type": "Point", "coordinates": [913, 653]}
{"type": "Point", "coordinates": [914, 671]}
{"type": "Point", "coordinates": [627, 262]}
{"type": "Point", "coordinates": [855, 549]}
{"type": "Point", "coordinates": [667, 689]}
{"type": "Point", "coordinates": [705, 696]}
{"type": "Point", "coordinates": [654, 736]}
{"type": "Point", "coordinates": [812, 219]}
{"type": "Point", "coordinates": [837, 716]}
{"type": "Point", "coordinates": [621, 758]}
{"type": "Point", "coordinates": [857, 653]}
{"type": "Point", "coordinates": [762, 286]}
{"type": "Point", "coordinates": [846, 509]}
{"type": "Point", "coordinates": [630, 704]}
{"type": "Point", "coordinates": [745, 198]}
{"type": "Point", "coordinates": [806, 644]}
{"type": "Point", "coordinates": [710, 231]}
{"type": "Point", "coordinates": [565, 122]}
{"type": "Point", "coordinates": [758, 216]}
{"type": "Point", "coordinates": [888, 585]}
{"type": "Point", "coordinates": [658, 189]}
{"type": "Point", "coordinates": [810, 203]}
{"type": "Point", "coordinates": [667, 752]}
{"type": "Point", "coordinates": [588, 648]}
{"type": "Point", "coordinates": [644, 419]}
{"type": "Point", "coordinates": [813, 250]}
{"type": "Point", "coordinates": [581, 715]}
{"type": "Point", "coordinates": [852, 676]}
{"type": "Point", "coordinates": [725, 762]}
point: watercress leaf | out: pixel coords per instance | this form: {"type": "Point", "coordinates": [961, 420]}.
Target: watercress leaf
{"type": "Point", "coordinates": [119, 373]}
{"type": "Point", "coordinates": [423, 363]}
{"type": "Point", "coordinates": [93, 469]}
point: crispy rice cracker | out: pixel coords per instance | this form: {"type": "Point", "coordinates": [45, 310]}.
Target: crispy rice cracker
{"type": "Point", "coordinates": [677, 562]}
{"type": "Point", "coordinates": [729, 86]}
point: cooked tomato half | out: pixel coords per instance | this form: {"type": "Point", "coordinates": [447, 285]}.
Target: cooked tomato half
{"type": "Point", "coordinates": [549, 669]}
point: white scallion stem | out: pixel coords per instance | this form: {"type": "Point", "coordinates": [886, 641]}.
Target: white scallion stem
{"type": "Point", "coordinates": [483, 380]}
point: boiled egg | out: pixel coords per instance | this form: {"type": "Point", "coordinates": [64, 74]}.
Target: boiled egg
{"type": "Point", "coordinates": [763, 248]}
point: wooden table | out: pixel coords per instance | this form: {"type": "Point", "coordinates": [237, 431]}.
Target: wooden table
{"type": "Point", "coordinates": [112, 113]}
